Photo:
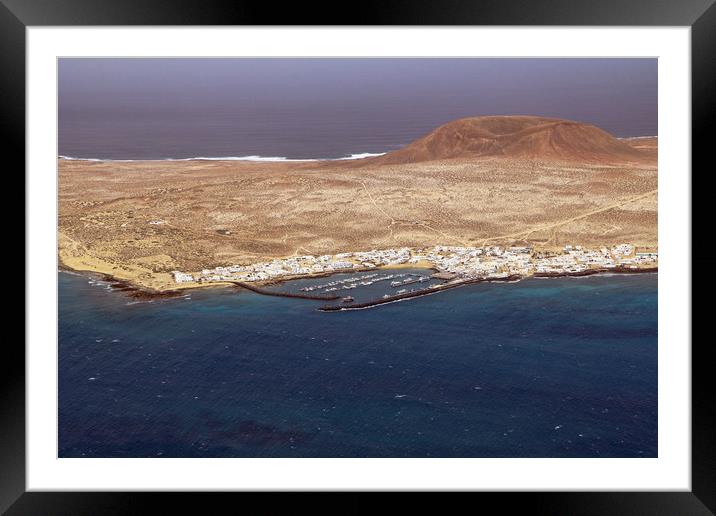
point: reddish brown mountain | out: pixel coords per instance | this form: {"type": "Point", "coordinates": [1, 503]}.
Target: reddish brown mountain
{"type": "Point", "coordinates": [519, 137]}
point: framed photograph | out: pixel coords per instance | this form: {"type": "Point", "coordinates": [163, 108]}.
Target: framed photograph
{"type": "Point", "coordinates": [437, 250]}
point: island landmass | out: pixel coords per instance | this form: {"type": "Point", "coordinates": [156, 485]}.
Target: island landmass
{"type": "Point", "coordinates": [482, 198]}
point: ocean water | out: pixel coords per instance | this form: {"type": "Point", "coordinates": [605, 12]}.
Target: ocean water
{"type": "Point", "coordinates": [304, 108]}
{"type": "Point", "coordinates": [540, 368]}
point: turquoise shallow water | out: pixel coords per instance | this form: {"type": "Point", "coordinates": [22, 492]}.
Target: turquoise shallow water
{"type": "Point", "coordinates": [541, 368]}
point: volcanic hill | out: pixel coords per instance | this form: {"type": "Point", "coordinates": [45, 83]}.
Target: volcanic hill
{"type": "Point", "coordinates": [517, 137]}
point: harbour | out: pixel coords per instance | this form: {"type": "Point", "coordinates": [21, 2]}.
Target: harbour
{"type": "Point", "coordinates": [396, 291]}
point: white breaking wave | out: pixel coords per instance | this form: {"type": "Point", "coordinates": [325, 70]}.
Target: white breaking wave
{"type": "Point", "coordinates": [363, 155]}
{"type": "Point", "coordinates": [233, 158]}
{"type": "Point", "coordinates": [70, 158]}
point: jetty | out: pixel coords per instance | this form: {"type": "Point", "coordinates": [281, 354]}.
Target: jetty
{"type": "Point", "coordinates": [267, 292]}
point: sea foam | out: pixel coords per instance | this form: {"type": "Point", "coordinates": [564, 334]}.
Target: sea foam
{"type": "Point", "coordinates": [360, 155]}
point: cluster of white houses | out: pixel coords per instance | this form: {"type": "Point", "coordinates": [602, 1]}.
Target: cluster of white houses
{"type": "Point", "coordinates": [463, 262]}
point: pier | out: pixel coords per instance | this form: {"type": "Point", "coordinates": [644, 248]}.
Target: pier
{"type": "Point", "coordinates": [266, 292]}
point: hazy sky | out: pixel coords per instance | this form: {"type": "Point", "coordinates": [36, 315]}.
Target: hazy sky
{"type": "Point", "coordinates": [351, 98]}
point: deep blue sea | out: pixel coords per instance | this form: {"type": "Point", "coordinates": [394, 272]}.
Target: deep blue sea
{"type": "Point", "coordinates": [540, 368]}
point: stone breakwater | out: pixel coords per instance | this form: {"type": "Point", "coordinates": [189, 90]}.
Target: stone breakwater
{"type": "Point", "coordinates": [267, 292]}
{"type": "Point", "coordinates": [417, 293]}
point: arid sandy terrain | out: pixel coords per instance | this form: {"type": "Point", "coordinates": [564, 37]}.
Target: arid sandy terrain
{"type": "Point", "coordinates": [139, 221]}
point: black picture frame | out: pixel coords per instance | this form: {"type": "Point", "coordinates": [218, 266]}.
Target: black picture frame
{"type": "Point", "coordinates": [700, 15]}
